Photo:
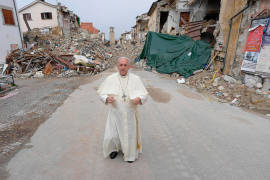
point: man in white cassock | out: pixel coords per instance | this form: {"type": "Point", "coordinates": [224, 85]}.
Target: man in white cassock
{"type": "Point", "coordinates": [123, 92]}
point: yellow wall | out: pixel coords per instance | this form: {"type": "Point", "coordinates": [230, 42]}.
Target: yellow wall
{"type": "Point", "coordinates": [152, 24]}
{"type": "Point", "coordinates": [228, 9]}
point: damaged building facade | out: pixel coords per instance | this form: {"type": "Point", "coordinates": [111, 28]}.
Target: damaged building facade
{"type": "Point", "coordinates": [237, 67]}
{"type": "Point", "coordinates": [141, 27]}
{"type": "Point", "coordinates": [242, 40]}
{"type": "Point", "coordinates": [171, 16]}
{"type": "Point", "coordinates": [40, 14]}
{"type": "Point", "coordinates": [68, 20]}
{"type": "Point", "coordinates": [225, 24]}
{"type": "Point", "coordinates": [251, 24]}
{"type": "Point", "coordinates": [126, 37]}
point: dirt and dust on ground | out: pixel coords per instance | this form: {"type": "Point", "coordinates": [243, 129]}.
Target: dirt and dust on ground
{"type": "Point", "coordinates": [158, 94]}
{"type": "Point", "coordinates": [31, 104]}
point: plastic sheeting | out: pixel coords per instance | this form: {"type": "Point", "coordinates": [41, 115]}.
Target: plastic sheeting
{"type": "Point", "coordinates": [180, 54]}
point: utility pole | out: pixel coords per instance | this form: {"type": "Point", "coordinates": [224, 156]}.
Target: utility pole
{"type": "Point", "coordinates": [20, 31]}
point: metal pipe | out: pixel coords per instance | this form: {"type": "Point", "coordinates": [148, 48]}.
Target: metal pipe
{"type": "Point", "coordinates": [18, 23]}
{"type": "Point", "coordinates": [230, 29]}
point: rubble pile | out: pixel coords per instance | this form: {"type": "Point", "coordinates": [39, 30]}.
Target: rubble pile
{"type": "Point", "coordinates": [229, 90]}
{"type": "Point", "coordinates": [132, 51]}
{"type": "Point", "coordinates": [50, 54]}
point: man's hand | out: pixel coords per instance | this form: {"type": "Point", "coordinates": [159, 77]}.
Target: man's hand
{"type": "Point", "coordinates": [110, 99]}
{"type": "Point", "coordinates": [136, 101]}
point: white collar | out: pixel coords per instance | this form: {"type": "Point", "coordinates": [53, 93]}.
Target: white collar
{"type": "Point", "coordinates": [123, 76]}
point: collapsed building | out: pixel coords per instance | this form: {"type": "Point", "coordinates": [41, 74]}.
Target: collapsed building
{"type": "Point", "coordinates": [163, 17]}
{"type": "Point", "coordinates": [68, 20]}
{"type": "Point", "coordinates": [55, 45]}
{"type": "Point", "coordinates": [126, 37]}
{"type": "Point", "coordinates": [237, 69]}
{"type": "Point", "coordinates": [170, 16]}
{"type": "Point", "coordinates": [224, 23]}
{"type": "Point", "coordinates": [141, 27]}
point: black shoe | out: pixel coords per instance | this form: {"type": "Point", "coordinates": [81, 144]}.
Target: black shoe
{"type": "Point", "coordinates": [130, 161]}
{"type": "Point", "coordinates": [113, 155]}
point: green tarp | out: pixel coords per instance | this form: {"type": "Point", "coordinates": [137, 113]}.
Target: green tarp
{"type": "Point", "coordinates": [180, 54]}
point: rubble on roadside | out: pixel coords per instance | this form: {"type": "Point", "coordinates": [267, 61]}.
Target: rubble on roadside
{"type": "Point", "coordinates": [53, 55]}
{"type": "Point", "coordinates": [252, 92]}
{"type": "Point", "coordinates": [226, 89]}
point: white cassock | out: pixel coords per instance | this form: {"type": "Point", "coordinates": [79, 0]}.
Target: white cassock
{"type": "Point", "coordinates": [122, 132]}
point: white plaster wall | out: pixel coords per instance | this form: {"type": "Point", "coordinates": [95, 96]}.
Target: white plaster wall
{"type": "Point", "coordinates": [182, 7]}
{"type": "Point", "coordinates": [172, 21]}
{"type": "Point", "coordinates": [128, 37]}
{"type": "Point", "coordinates": [36, 21]}
{"type": "Point", "coordinates": [199, 11]}
{"type": "Point", "coordinates": [9, 34]}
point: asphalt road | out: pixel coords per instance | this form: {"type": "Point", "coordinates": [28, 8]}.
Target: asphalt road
{"type": "Point", "coordinates": [185, 136]}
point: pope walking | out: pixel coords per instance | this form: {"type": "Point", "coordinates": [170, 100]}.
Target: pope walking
{"type": "Point", "coordinates": [123, 92]}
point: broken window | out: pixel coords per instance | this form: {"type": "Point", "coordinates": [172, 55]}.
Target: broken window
{"type": "Point", "coordinates": [46, 15]}
{"type": "Point", "coordinates": [27, 16]}
{"type": "Point", "coordinates": [184, 18]}
{"type": "Point", "coordinates": [8, 17]}
{"type": "Point", "coordinates": [163, 19]}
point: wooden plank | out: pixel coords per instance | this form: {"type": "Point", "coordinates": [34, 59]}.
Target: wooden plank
{"type": "Point", "coordinates": [194, 34]}
{"type": "Point", "coordinates": [29, 63]}
{"type": "Point", "coordinates": [228, 9]}
{"type": "Point", "coordinates": [195, 29]}
{"type": "Point", "coordinates": [196, 22]}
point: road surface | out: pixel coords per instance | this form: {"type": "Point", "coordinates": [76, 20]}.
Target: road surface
{"type": "Point", "coordinates": [185, 136]}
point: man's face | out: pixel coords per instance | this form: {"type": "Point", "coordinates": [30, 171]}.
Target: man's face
{"type": "Point", "coordinates": [123, 66]}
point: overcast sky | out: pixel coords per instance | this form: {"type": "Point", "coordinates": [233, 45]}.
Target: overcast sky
{"type": "Point", "coordinates": [104, 13]}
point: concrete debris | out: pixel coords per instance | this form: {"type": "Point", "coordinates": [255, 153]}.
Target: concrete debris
{"type": "Point", "coordinates": [234, 102]}
{"type": "Point", "coordinates": [221, 88]}
{"type": "Point", "coordinates": [52, 55]}
{"type": "Point", "coordinates": [226, 89]}
{"type": "Point", "coordinates": [175, 75]}
{"type": "Point", "coordinates": [258, 91]}
{"type": "Point", "coordinates": [181, 81]}
{"type": "Point", "coordinates": [251, 81]}
{"type": "Point", "coordinates": [215, 83]}
{"type": "Point", "coordinates": [39, 74]}
{"type": "Point", "coordinates": [259, 85]}
{"type": "Point", "coordinates": [266, 85]}
{"type": "Point", "coordinates": [229, 79]}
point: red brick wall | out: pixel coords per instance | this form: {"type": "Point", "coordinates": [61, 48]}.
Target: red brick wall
{"type": "Point", "coordinates": [89, 27]}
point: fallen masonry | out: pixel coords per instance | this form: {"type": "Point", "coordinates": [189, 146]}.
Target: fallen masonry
{"type": "Point", "coordinates": [52, 55]}
{"type": "Point", "coordinates": [229, 90]}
